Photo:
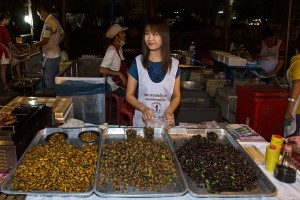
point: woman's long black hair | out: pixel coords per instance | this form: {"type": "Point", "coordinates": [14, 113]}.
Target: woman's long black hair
{"type": "Point", "coordinates": [4, 15]}
{"type": "Point", "coordinates": [158, 25]}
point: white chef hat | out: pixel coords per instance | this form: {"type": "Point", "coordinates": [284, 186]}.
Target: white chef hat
{"type": "Point", "coordinates": [114, 30]}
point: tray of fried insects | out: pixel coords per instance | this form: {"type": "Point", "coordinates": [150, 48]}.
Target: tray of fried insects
{"type": "Point", "coordinates": [138, 162]}
{"type": "Point", "coordinates": [58, 162]}
{"type": "Point", "coordinates": [215, 165]}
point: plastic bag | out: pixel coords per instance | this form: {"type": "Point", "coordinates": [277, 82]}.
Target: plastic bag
{"type": "Point", "coordinates": [160, 123]}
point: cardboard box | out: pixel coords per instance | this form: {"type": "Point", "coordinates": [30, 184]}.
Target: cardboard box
{"type": "Point", "coordinates": [212, 84]}
{"type": "Point", "coordinates": [226, 99]}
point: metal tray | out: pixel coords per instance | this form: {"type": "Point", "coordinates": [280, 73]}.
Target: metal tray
{"type": "Point", "coordinates": [176, 188]}
{"type": "Point", "coordinates": [40, 137]}
{"type": "Point", "coordinates": [265, 186]}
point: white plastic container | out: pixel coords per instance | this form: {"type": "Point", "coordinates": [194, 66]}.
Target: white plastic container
{"type": "Point", "coordinates": [235, 61]}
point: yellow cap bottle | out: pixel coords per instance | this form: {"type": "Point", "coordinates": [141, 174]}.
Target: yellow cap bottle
{"type": "Point", "coordinates": [272, 157]}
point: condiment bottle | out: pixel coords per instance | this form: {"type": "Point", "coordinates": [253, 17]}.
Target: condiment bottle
{"type": "Point", "coordinates": [277, 140]}
{"type": "Point", "coordinates": [285, 171]}
{"type": "Point", "coordinates": [272, 157]}
{"type": "Point", "coordinates": [192, 51]}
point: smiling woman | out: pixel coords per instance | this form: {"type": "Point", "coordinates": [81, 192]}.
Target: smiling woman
{"type": "Point", "coordinates": [156, 75]}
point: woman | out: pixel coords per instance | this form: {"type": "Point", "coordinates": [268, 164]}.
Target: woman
{"type": "Point", "coordinates": [113, 63]}
{"type": "Point", "coordinates": [5, 44]}
{"type": "Point", "coordinates": [156, 76]}
{"type": "Point", "coordinates": [270, 52]}
{"type": "Point", "coordinates": [292, 114]}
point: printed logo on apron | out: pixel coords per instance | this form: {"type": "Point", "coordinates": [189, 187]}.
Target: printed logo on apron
{"type": "Point", "coordinates": [157, 109]}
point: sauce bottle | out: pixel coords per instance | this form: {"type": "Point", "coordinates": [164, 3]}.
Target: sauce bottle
{"type": "Point", "coordinates": [192, 51]}
{"type": "Point", "coordinates": [286, 171]}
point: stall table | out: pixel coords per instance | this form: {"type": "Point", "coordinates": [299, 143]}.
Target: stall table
{"type": "Point", "coordinates": [62, 107]}
{"type": "Point", "coordinates": [230, 73]}
{"type": "Point", "coordinates": [285, 191]}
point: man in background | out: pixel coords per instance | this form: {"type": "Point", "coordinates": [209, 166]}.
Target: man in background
{"type": "Point", "coordinates": [51, 36]}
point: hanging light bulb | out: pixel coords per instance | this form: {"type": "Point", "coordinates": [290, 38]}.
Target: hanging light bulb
{"type": "Point", "coordinates": [27, 19]}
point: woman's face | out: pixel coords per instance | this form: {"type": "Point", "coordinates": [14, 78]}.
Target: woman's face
{"type": "Point", "coordinates": [6, 21]}
{"type": "Point", "coordinates": [122, 36]}
{"type": "Point", "coordinates": [152, 39]}
{"type": "Point", "coordinates": [269, 41]}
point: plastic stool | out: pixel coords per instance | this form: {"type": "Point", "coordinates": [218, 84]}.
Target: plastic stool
{"type": "Point", "coordinates": [128, 110]}
{"type": "Point", "coordinates": [119, 101]}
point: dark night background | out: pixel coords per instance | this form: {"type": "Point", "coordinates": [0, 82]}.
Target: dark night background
{"type": "Point", "coordinates": [199, 21]}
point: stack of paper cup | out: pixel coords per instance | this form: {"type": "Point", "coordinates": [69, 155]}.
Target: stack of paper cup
{"type": "Point", "coordinates": [277, 140]}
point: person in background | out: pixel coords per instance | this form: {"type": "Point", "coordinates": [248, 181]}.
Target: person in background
{"type": "Point", "coordinates": [270, 53]}
{"type": "Point", "coordinates": [51, 36]}
{"type": "Point", "coordinates": [155, 75]}
{"type": "Point", "coordinates": [5, 45]}
{"type": "Point", "coordinates": [292, 113]}
{"type": "Point", "coordinates": [114, 63]}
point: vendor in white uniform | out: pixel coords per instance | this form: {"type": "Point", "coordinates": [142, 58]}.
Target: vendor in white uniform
{"type": "Point", "coordinates": [114, 63]}
{"type": "Point", "coordinates": [155, 75]}
{"type": "Point", "coordinates": [270, 52]}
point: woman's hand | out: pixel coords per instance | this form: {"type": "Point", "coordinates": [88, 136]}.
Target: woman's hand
{"type": "Point", "coordinates": [147, 114]}
{"type": "Point", "coordinates": [33, 46]}
{"type": "Point", "coordinates": [123, 78]}
{"type": "Point", "coordinates": [289, 112]}
{"type": "Point", "coordinates": [169, 119]}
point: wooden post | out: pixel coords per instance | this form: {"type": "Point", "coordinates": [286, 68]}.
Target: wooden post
{"type": "Point", "coordinates": [287, 36]}
{"type": "Point", "coordinates": [226, 23]}
{"type": "Point", "coordinates": [151, 7]}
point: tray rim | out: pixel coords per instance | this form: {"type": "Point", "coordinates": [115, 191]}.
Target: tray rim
{"type": "Point", "coordinates": [39, 135]}
{"type": "Point", "coordinates": [241, 150]}
{"type": "Point", "coordinates": [151, 194]}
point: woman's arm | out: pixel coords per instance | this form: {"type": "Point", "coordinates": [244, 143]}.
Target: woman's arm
{"type": "Point", "coordinates": [294, 95]}
{"type": "Point", "coordinates": [175, 100]}
{"type": "Point", "coordinates": [13, 47]}
{"type": "Point", "coordinates": [130, 97]}
{"type": "Point", "coordinates": [107, 71]}
{"type": "Point", "coordinates": [277, 68]}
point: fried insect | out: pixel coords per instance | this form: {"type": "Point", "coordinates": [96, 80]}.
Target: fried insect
{"type": "Point", "coordinates": [215, 166]}
{"type": "Point", "coordinates": [143, 164]}
{"type": "Point", "coordinates": [131, 133]}
{"type": "Point", "coordinates": [57, 166]}
{"type": "Point", "coordinates": [149, 132]}
{"type": "Point", "coordinates": [57, 138]}
{"type": "Point", "coordinates": [88, 137]}
{"type": "Point", "coordinates": [212, 136]}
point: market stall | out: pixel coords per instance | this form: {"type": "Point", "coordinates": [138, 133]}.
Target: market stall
{"type": "Point", "coordinates": [268, 187]}
{"type": "Point", "coordinates": [26, 67]}
{"type": "Point", "coordinates": [182, 187]}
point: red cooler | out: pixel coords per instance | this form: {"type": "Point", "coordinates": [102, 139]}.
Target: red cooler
{"type": "Point", "coordinates": [263, 107]}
